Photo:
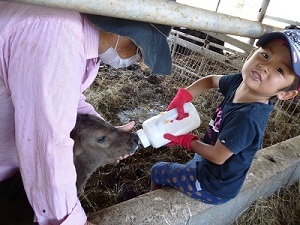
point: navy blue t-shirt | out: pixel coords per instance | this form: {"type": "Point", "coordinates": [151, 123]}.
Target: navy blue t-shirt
{"type": "Point", "coordinates": [240, 127]}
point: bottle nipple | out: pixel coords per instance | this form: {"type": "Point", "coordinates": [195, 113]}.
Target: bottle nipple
{"type": "Point", "coordinates": [143, 138]}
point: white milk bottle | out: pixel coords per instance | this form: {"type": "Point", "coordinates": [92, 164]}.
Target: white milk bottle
{"type": "Point", "coordinates": [153, 129]}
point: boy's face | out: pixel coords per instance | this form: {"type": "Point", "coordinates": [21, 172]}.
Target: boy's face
{"type": "Point", "coordinates": [269, 69]}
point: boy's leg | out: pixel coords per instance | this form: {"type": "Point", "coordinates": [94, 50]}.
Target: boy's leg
{"type": "Point", "coordinates": [183, 178]}
{"type": "Point", "coordinates": [159, 177]}
{"type": "Point", "coordinates": [154, 186]}
{"type": "Point", "coordinates": [192, 163]}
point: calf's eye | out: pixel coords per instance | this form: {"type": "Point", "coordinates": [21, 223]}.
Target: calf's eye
{"type": "Point", "coordinates": [101, 139]}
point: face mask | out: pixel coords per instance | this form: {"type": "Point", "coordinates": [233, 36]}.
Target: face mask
{"type": "Point", "coordinates": [112, 58]}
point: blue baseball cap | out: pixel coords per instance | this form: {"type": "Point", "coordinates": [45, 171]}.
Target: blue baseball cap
{"type": "Point", "coordinates": [292, 37]}
{"type": "Point", "coordinates": [150, 38]}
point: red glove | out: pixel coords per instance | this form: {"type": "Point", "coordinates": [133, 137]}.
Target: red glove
{"type": "Point", "coordinates": [178, 101]}
{"type": "Point", "coordinates": [181, 140]}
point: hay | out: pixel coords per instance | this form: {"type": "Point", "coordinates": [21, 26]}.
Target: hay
{"type": "Point", "coordinates": [281, 208]}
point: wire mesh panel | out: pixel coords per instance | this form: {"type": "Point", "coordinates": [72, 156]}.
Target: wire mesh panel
{"type": "Point", "coordinates": [192, 58]}
{"type": "Point", "coordinates": [284, 122]}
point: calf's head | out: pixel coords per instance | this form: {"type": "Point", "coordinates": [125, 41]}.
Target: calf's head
{"type": "Point", "coordinates": [97, 143]}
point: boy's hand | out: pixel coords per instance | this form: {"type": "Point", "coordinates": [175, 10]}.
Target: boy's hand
{"type": "Point", "coordinates": [181, 140]}
{"type": "Point", "coordinates": [178, 101]}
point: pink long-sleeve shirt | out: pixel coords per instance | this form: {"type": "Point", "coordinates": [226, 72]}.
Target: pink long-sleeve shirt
{"type": "Point", "coordinates": [48, 57]}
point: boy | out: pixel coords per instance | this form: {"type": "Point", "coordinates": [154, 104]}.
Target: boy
{"type": "Point", "coordinates": [217, 172]}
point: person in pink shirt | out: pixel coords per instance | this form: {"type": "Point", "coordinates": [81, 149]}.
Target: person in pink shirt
{"type": "Point", "coordinates": [48, 57]}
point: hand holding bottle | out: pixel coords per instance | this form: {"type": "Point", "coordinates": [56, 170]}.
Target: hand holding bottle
{"type": "Point", "coordinates": [178, 101]}
{"type": "Point", "coordinates": [181, 140]}
{"type": "Point", "coordinates": [154, 128]}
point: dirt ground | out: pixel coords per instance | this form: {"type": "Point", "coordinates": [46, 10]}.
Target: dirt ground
{"type": "Point", "coordinates": [134, 94]}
